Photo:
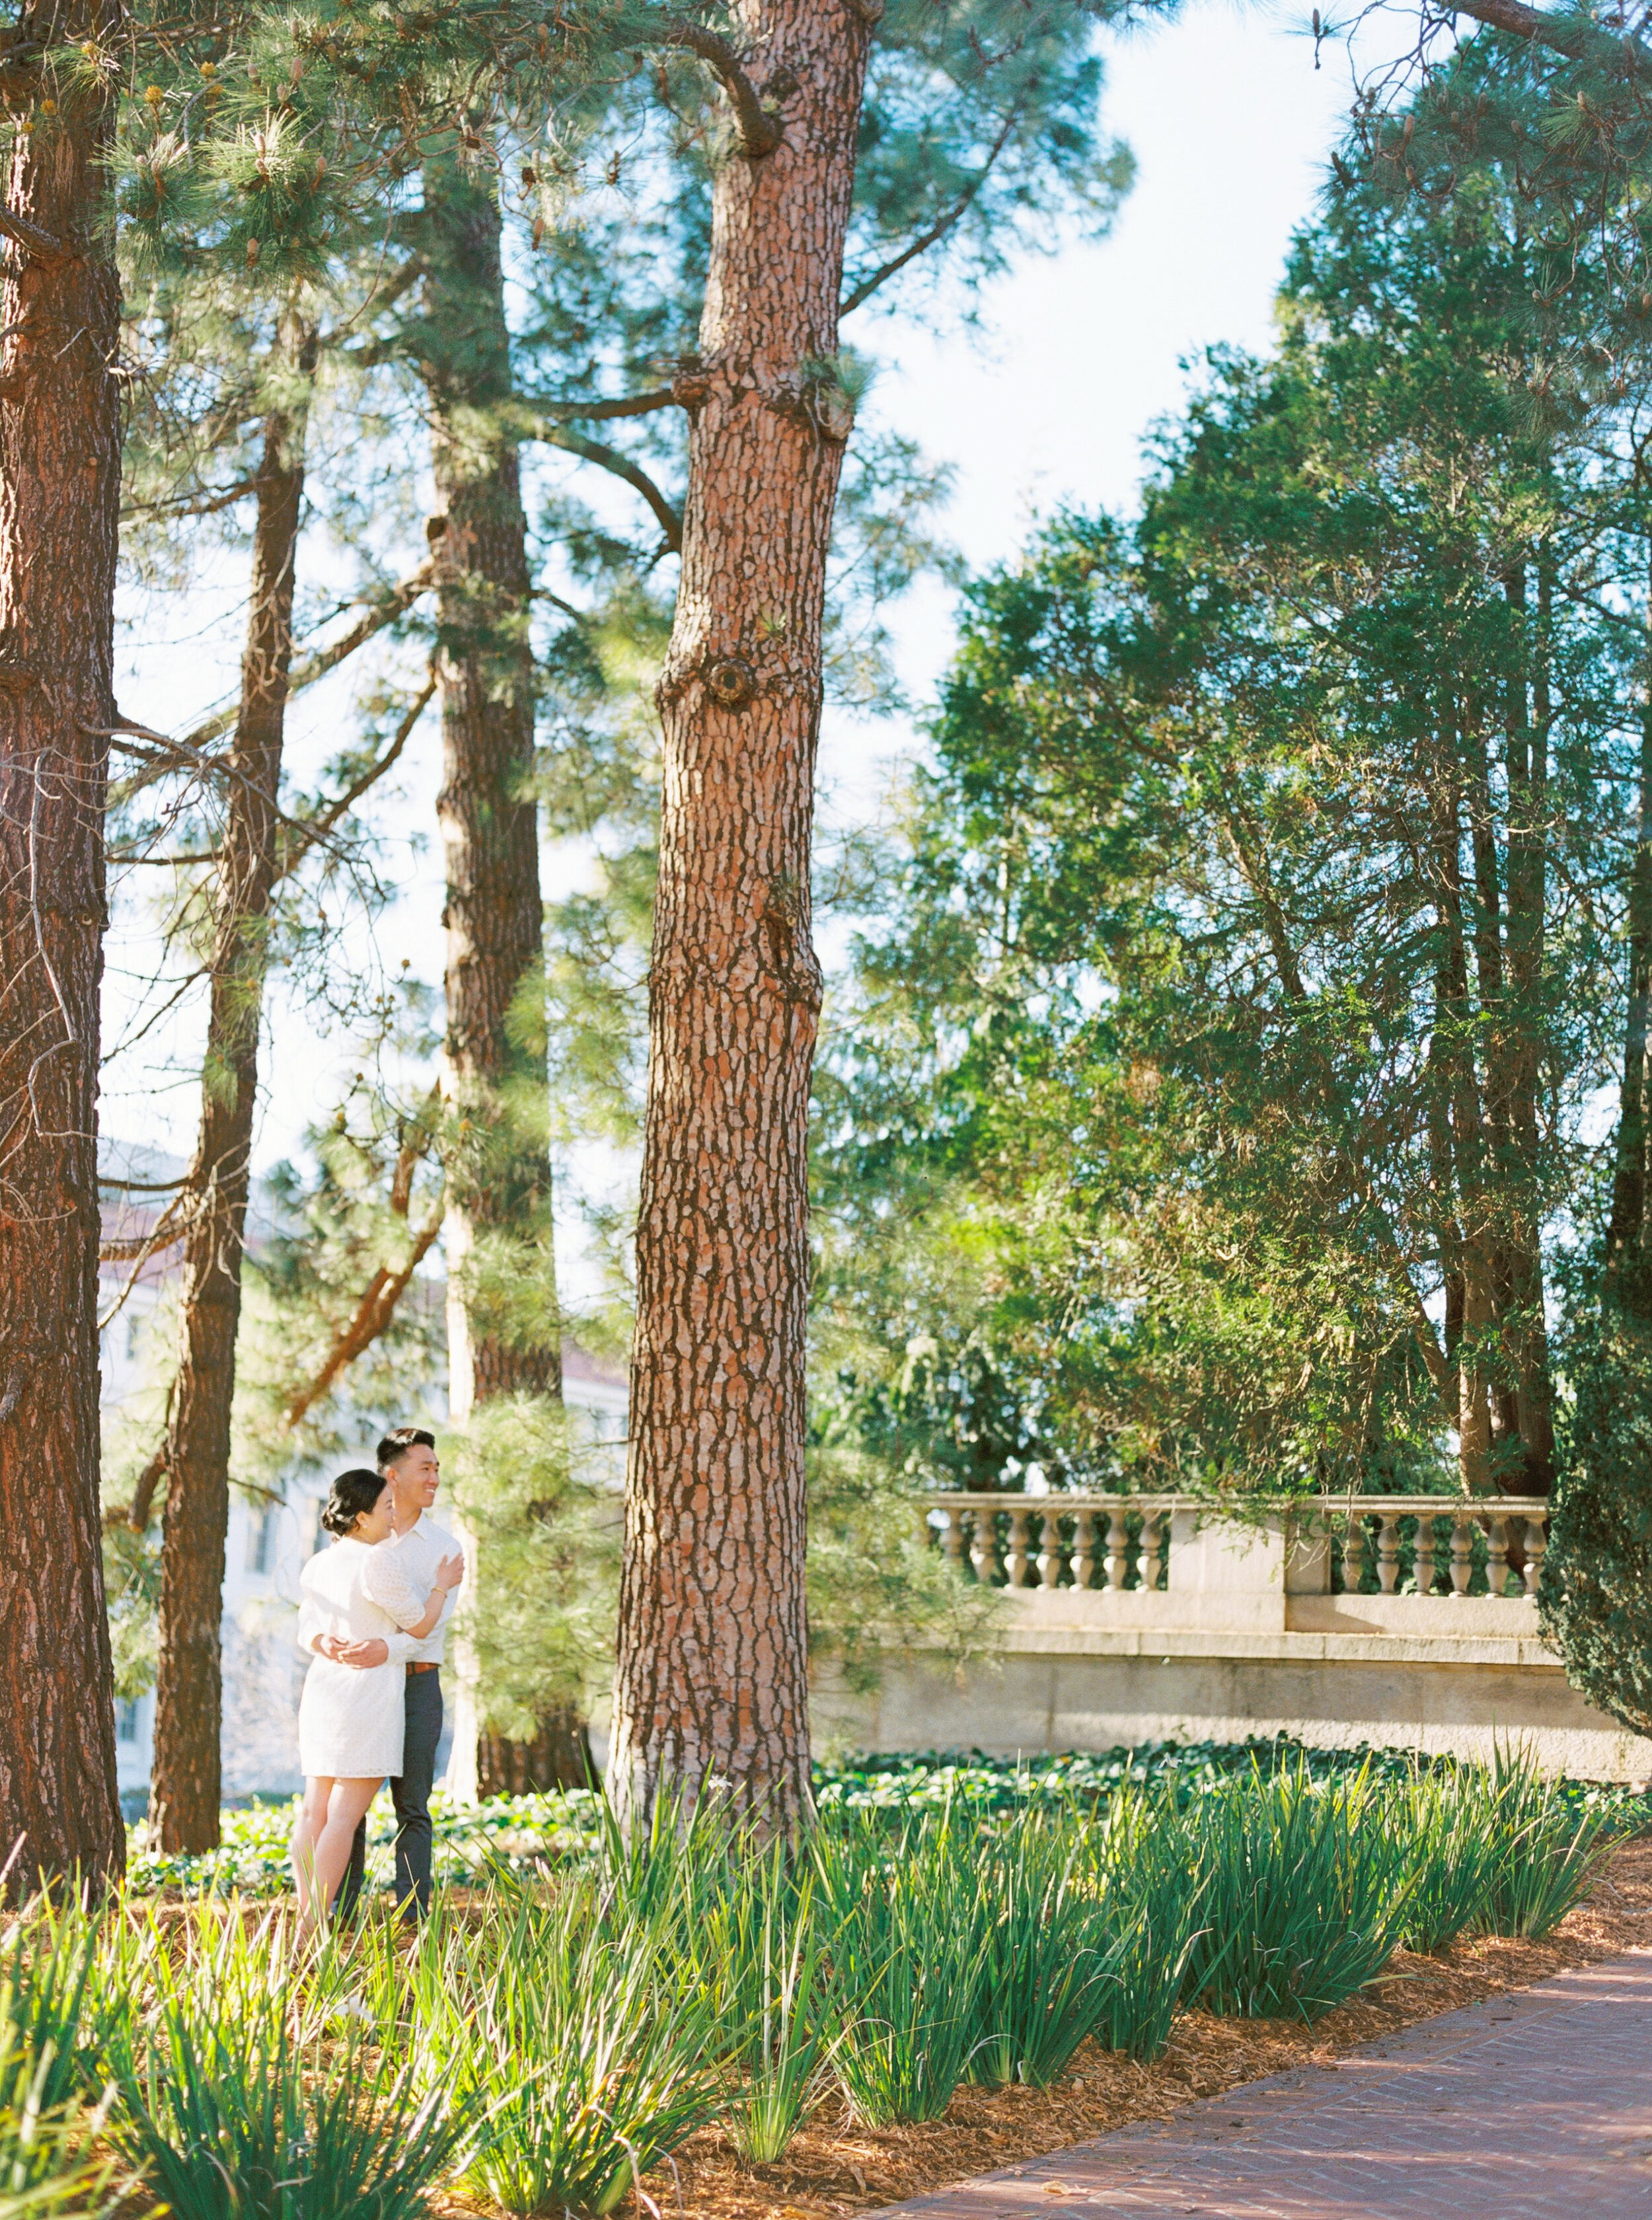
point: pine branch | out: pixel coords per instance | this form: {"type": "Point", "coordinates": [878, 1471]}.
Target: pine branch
{"type": "Point", "coordinates": [628, 404]}
{"type": "Point", "coordinates": [938, 231]}
{"type": "Point", "coordinates": [609, 458]}
{"type": "Point", "coordinates": [384, 611]}
{"type": "Point", "coordinates": [374, 1312]}
{"type": "Point", "coordinates": [40, 245]}
{"type": "Point", "coordinates": [1564, 35]}
{"type": "Point", "coordinates": [324, 824]}
{"type": "Point", "coordinates": [759, 131]}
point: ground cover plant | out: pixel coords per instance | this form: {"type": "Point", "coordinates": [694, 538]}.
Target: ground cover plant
{"type": "Point", "coordinates": [561, 2027]}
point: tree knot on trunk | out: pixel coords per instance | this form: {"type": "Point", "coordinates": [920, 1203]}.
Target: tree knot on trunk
{"type": "Point", "coordinates": [691, 381]}
{"type": "Point", "coordinates": [821, 392]}
{"type": "Point", "coordinates": [731, 681]}
{"type": "Point", "coordinates": [789, 953]}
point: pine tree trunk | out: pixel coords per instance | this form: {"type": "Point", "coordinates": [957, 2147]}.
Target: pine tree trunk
{"type": "Point", "coordinates": [59, 506]}
{"type": "Point", "coordinates": [498, 1225]}
{"type": "Point", "coordinates": [559, 1757]}
{"type": "Point", "coordinates": [499, 1182]}
{"type": "Point", "coordinates": [1472, 1232]}
{"type": "Point", "coordinates": [711, 1681]}
{"type": "Point", "coordinates": [1626, 1228]}
{"type": "Point", "coordinates": [184, 1783]}
{"type": "Point", "coordinates": [1527, 1332]}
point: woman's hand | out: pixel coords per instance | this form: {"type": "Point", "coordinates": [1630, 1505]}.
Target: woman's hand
{"type": "Point", "coordinates": [451, 1571]}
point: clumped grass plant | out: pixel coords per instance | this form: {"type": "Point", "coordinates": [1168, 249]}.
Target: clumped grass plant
{"type": "Point", "coordinates": [558, 2024]}
{"type": "Point", "coordinates": [908, 1928]}
{"type": "Point", "coordinates": [1305, 1894]}
{"type": "Point", "coordinates": [1545, 1849]}
{"type": "Point", "coordinates": [232, 2107]}
{"type": "Point", "coordinates": [1051, 1949]}
{"type": "Point", "coordinates": [767, 1955]}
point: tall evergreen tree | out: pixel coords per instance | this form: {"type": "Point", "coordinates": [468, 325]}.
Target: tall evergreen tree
{"type": "Point", "coordinates": [60, 498]}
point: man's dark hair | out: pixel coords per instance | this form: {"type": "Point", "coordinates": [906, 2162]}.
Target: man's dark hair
{"type": "Point", "coordinates": [399, 1440]}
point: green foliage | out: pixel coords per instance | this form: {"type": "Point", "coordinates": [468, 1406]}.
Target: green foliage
{"type": "Point", "coordinates": [1595, 1601]}
{"type": "Point", "coordinates": [550, 2041]}
{"type": "Point", "coordinates": [1229, 918]}
{"type": "Point", "coordinates": [874, 1583]}
{"type": "Point", "coordinates": [548, 1533]}
{"type": "Point", "coordinates": [46, 2128]}
{"type": "Point", "coordinates": [229, 2111]}
{"type": "Point", "coordinates": [1545, 1853]}
{"type": "Point", "coordinates": [1051, 1959]}
{"type": "Point", "coordinates": [763, 1951]}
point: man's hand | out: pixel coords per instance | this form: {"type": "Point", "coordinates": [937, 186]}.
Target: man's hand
{"type": "Point", "coordinates": [362, 1655]}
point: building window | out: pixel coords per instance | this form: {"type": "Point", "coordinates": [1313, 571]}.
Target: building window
{"type": "Point", "coordinates": [126, 1720]}
{"type": "Point", "coordinates": [260, 1539]}
{"type": "Point", "coordinates": [133, 1325]}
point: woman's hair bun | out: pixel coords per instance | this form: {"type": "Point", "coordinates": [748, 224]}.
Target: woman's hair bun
{"type": "Point", "coordinates": [351, 1493]}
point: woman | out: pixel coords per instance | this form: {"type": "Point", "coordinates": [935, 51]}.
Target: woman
{"type": "Point", "coordinates": [350, 1718]}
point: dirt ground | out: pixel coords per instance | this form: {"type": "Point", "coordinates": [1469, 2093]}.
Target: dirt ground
{"type": "Point", "coordinates": [834, 2168]}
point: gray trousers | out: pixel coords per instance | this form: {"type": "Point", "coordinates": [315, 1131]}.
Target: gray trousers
{"type": "Point", "coordinates": [410, 1793]}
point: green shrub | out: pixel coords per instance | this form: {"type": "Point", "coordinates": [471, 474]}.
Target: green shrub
{"type": "Point", "coordinates": [1595, 1599]}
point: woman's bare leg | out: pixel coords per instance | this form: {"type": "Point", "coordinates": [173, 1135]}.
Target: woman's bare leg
{"type": "Point", "coordinates": [306, 1829]}
{"type": "Point", "coordinates": [346, 1802]}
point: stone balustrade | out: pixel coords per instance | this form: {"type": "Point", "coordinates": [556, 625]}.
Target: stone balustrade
{"type": "Point", "coordinates": [1402, 1619]}
{"type": "Point", "coordinates": [1429, 1547]}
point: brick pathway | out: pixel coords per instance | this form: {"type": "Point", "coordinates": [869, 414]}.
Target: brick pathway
{"type": "Point", "coordinates": [1536, 2105]}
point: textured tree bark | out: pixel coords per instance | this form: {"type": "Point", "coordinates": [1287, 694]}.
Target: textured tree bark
{"type": "Point", "coordinates": [499, 1170]}
{"type": "Point", "coordinates": [559, 1757]}
{"type": "Point", "coordinates": [500, 1178]}
{"type": "Point", "coordinates": [1471, 1233]}
{"type": "Point", "coordinates": [711, 1679]}
{"type": "Point", "coordinates": [1626, 1228]}
{"type": "Point", "coordinates": [60, 503]}
{"type": "Point", "coordinates": [1527, 1331]}
{"type": "Point", "coordinates": [188, 1706]}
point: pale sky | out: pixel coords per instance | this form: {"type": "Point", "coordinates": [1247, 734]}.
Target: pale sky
{"type": "Point", "coordinates": [1231, 125]}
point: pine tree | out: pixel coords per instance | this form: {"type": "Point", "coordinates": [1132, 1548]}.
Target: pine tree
{"type": "Point", "coordinates": [60, 497]}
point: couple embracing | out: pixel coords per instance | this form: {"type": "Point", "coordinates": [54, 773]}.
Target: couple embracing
{"type": "Point", "coordinates": [373, 1622]}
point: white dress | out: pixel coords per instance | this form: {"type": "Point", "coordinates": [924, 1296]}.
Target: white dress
{"type": "Point", "coordinates": [350, 1718]}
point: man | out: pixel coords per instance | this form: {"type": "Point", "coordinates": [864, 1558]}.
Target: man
{"type": "Point", "coordinates": [406, 1457]}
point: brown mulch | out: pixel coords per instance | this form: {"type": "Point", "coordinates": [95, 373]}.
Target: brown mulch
{"type": "Point", "coordinates": [834, 2168]}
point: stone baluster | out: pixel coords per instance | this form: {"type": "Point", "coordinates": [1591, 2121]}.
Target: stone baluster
{"type": "Point", "coordinates": [952, 1539]}
{"type": "Point", "coordinates": [1354, 1544]}
{"type": "Point", "coordinates": [1117, 1564]}
{"type": "Point", "coordinates": [1536, 1543]}
{"type": "Point", "coordinates": [1463, 1555]}
{"type": "Point", "coordinates": [1083, 1548]}
{"type": "Point", "coordinates": [1425, 1553]}
{"type": "Point", "coordinates": [1387, 1554]}
{"type": "Point", "coordinates": [983, 1550]}
{"type": "Point", "coordinates": [1015, 1558]}
{"type": "Point", "coordinates": [1497, 1557]}
{"type": "Point", "coordinates": [1050, 1549]}
{"type": "Point", "coordinates": [1147, 1564]}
